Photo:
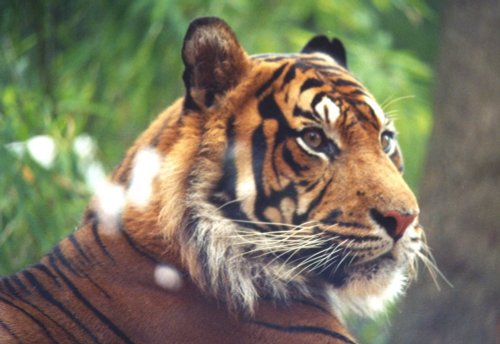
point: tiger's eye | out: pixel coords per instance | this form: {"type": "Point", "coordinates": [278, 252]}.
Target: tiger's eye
{"type": "Point", "coordinates": [388, 142]}
{"type": "Point", "coordinates": [314, 138]}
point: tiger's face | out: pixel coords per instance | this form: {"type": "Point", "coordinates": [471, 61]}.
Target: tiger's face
{"type": "Point", "coordinates": [309, 199]}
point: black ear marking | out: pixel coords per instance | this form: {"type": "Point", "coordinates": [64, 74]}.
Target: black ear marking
{"type": "Point", "coordinates": [213, 59]}
{"type": "Point", "coordinates": [322, 44]}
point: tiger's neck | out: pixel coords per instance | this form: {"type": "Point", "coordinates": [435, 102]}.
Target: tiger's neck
{"type": "Point", "coordinates": [101, 286]}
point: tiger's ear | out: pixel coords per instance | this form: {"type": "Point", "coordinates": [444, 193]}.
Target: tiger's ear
{"type": "Point", "coordinates": [334, 48]}
{"type": "Point", "coordinates": [214, 61]}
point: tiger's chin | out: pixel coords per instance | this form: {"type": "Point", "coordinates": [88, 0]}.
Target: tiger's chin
{"type": "Point", "coordinates": [367, 288]}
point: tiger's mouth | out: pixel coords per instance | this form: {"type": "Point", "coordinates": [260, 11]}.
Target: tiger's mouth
{"type": "Point", "coordinates": [339, 269]}
{"type": "Point", "coordinates": [339, 273]}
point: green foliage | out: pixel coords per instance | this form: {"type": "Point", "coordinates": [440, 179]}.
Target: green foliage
{"type": "Point", "coordinates": [108, 67]}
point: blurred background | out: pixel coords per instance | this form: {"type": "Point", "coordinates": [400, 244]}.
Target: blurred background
{"type": "Point", "coordinates": [79, 80]}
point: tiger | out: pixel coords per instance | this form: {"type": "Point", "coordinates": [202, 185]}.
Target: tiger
{"type": "Point", "coordinates": [264, 206]}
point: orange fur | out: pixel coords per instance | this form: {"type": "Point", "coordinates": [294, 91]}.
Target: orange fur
{"type": "Point", "coordinates": [279, 217]}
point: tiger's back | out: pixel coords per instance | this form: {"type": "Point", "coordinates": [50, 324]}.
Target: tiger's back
{"type": "Point", "coordinates": [261, 207]}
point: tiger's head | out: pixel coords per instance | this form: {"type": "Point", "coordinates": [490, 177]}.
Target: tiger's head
{"type": "Point", "coordinates": [283, 179]}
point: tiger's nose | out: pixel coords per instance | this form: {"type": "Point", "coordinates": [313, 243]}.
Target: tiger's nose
{"type": "Point", "coordinates": [394, 222]}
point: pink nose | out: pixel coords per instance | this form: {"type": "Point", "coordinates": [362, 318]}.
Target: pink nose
{"type": "Point", "coordinates": [394, 222]}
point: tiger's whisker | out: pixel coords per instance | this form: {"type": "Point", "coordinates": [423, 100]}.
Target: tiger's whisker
{"type": "Point", "coordinates": [278, 224]}
{"type": "Point", "coordinates": [309, 261]}
{"type": "Point", "coordinates": [390, 101]}
{"type": "Point", "coordinates": [428, 259]}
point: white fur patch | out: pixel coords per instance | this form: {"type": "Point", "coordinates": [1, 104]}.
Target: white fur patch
{"type": "Point", "coordinates": [306, 147]}
{"type": "Point", "coordinates": [376, 109]}
{"type": "Point", "coordinates": [109, 202]}
{"type": "Point", "coordinates": [246, 187]}
{"type": "Point", "coordinates": [367, 297]}
{"type": "Point", "coordinates": [147, 163]}
{"type": "Point", "coordinates": [167, 277]}
{"type": "Point", "coordinates": [327, 110]}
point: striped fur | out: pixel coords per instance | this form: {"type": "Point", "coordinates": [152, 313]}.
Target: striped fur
{"type": "Point", "coordinates": [259, 208]}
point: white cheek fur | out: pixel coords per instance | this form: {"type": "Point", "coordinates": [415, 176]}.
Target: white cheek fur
{"type": "Point", "coordinates": [147, 163]}
{"type": "Point", "coordinates": [367, 297]}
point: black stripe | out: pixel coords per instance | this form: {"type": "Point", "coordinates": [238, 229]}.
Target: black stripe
{"type": "Point", "coordinates": [10, 287]}
{"type": "Point", "coordinates": [350, 224]}
{"type": "Point", "coordinates": [32, 318]}
{"type": "Point", "coordinates": [294, 165]}
{"type": "Point", "coordinates": [189, 103]}
{"type": "Point", "coordinates": [9, 331]}
{"type": "Point", "coordinates": [289, 76]}
{"type": "Point", "coordinates": [298, 112]}
{"type": "Point", "coordinates": [259, 148]}
{"type": "Point", "coordinates": [312, 185]}
{"type": "Point", "coordinates": [332, 216]}
{"type": "Point", "coordinates": [361, 115]}
{"type": "Point", "coordinates": [233, 211]}
{"type": "Point", "coordinates": [209, 97]}
{"type": "Point", "coordinates": [97, 237]}
{"type": "Point", "coordinates": [78, 247]}
{"type": "Point", "coordinates": [372, 114]}
{"type": "Point", "coordinates": [105, 320]}
{"type": "Point", "coordinates": [358, 238]}
{"type": "Point", "coordinates": [269, 109]}
{"type": "Point", "coordinates": [272, 79]}
{"type": "Point", "coordinates": [299, 219]}
{"type": "Point", "coordinates": [331, 219]}
{"type": "Point", "coordinates": [311, 83]}
{"type": "Point", "coordinates": [136, 247]}
{"type": "Point", "coordinates": [97, 286]}
{"type": "Point", "coordinates": [20, 284]}
{"type": "Point", "coordinates": [357, 92]}
{"type": "Point", "coordinates": [74, 339]}
{"type": "Point", "coordinates": [67, 263]}
{"type": "Point", "coordinates": [303, 66]}
{"type": "Point", "coordinates": [319, 198]}
{"type": "Point", "coordinates": [226, 187]}
{"type": "Point", "coordinates": [227, 182]}
{"type": "Point", "coordinates": [319, 97]}
{"type": "Point", "coordinates": [42, 268]}
{"type": "Point", "coordinates": [345, 82]}
{"type": "Point", "coordinates": [44, 293]}
{"type": "Point", "coordinates": [305, 330]}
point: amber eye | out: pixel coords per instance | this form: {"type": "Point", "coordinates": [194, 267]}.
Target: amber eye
{"type": "Point", "coordinates": [313, 137]}
{"type": "Point", "coordinates": [388, 142]}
